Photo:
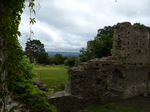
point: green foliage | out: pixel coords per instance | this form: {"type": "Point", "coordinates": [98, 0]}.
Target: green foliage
{"type": "Point", "coordinates": [36, 52]}
{"type": "Point", "coordinates": [72, 61]}
{"type": "Point", "coordinates": [23, 68]}
{"type": "Point", "coordinates": [57, 88]}
{"type": "Point", "coordinates": [31, 5]}
{"type": "Point", "coordinates": [43, 58]}
{"type": "Point", "coordinates": [27, 91]}
{"type": "Point", "coordinates": [13, 67]}
{"type": "Point", "coordinates": [16, 68]}
{"type": "Point", "coordinates": [77, 62]}
{"type": "Point", "coordinates": [11, 11]}
{"type": "Point", "coordinates": [85, 56]}
{"type": "Point", "coordinates": [51, 60]}
{"type": "Point", "coordinates": [138, 24]}
{"type": "Point", "coordinates": [99, 47]}
{"type": "Point", "coordinates": [102, 44]}
{"type": "Point", "coordinates": [32, 20]}
{"type": "Point", "coordinates": [26, 68]}
{"type": "Point", "coordinates": [33, 97]}
{"type": "Point", "coordinates": [59, 59]}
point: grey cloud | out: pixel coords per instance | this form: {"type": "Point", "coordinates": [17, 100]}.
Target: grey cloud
{"type": "Point", "coordinates": [132, 8]}
{"type": "Point", "coordinates": [43, 37]}
{"type": "Point", "coordinates": [69, 24]}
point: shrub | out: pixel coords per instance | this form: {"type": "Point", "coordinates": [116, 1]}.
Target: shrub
{"type": "Point", "coordinates": [33, 97]}
{"type": "Point", "coordinates": [26, 91]}
{"type": "Point", "coordinates": [70, 62]}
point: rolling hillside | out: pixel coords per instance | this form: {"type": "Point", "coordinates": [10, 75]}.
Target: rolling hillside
{"type": "Point", "coordinates": [67, 54]}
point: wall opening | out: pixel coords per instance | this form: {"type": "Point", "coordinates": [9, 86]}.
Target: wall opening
{"type": "Point", "coordinates": [117, 80]}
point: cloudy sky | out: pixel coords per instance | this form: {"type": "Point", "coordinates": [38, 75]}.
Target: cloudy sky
{"type": "Point", "coordinates": [67, 25]}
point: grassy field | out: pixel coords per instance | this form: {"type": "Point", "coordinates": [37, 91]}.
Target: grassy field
{"type": "Point", "coordinates": [53, 76]}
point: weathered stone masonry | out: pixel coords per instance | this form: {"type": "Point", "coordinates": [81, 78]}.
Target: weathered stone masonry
{"type": "Point", "coordinates": [132, 43]}
{"type": "Point", "coordinates": [123, 75]}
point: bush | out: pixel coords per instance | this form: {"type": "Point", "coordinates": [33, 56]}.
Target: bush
{"type": "Point", "coordinates": [25, 89]}
{"type": "Point", "coordinates": [43, 58]}
{"type": "Point", "coordinates": [70, 61]}
{"type": "Point", "coordinates": [57, 59]}
{"type": "Point", "coordinates": [33, 97]}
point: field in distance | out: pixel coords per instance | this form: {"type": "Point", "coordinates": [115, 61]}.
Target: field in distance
{"type": "Point", "coordinates": [51, 75]}
{"type": "Point", "coordinates": [65, 54]}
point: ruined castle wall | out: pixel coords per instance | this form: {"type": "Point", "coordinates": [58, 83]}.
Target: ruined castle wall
{"type": "Point", "coordinates": [131, 43]}
{"type": "Point", "coordinates": [136, 80]}
{"type": "Point", "coordinates": [100, 79]}
{"type": "Point", "coordinates": [123, 75]}
{"type": "Point", "coordinates": [3, 71]}
{"type": "Point", "coordinates": [91, 79]}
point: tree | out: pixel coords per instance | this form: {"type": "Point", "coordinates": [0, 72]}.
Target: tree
{"type": "Point", "coordinates": [100, 46]}
{"type": "Point", "coordinates": [85, 55]}
{"type": "Point", "coordinates": [43, 58]}
{"type": "Point", "coordinates": [70, 61]}
{"type": "Point", "coordinates": [59, 59]}
{"type": "Point", "coordinates": [34, 48]}
{"type": "Point", "coordinates": [138, 24]}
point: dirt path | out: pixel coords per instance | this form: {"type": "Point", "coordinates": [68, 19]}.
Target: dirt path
{"type": "Point", "coordinates": [139, 102]}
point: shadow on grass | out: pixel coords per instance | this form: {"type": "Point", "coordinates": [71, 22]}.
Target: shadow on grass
{"type": "Point", "coordinates": [110, 108]}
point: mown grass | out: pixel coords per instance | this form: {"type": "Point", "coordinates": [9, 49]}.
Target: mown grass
{"type": "Point", "coordinates": [52, 75]}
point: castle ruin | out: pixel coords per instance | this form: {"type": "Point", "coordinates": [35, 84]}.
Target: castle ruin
{"type": "Point", "coordinates": [123, 75]}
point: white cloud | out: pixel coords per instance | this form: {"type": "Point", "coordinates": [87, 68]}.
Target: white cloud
{"type": "Point", "coordinates": [66, 25]}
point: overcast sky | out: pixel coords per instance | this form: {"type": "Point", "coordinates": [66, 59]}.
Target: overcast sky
{"type": "Point", "coordinates": [67, 25]}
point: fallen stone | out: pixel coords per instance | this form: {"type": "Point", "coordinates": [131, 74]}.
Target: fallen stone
{"type": "Point", "coordinates": [41, 85]}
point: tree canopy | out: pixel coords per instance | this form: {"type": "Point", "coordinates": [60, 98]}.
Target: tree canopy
{"type": "Point", "coordinates": [101, 45]}
{"type": "Point", "coordinates": [36, 52]}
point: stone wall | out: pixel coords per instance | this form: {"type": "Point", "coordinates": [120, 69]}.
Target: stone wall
{"type": "Point", "coordinates": [132, 43]}
{"type": "Point", "coordinates": [101, 77]}
{"type": "Point", "coordinates": [123, 75]}
{"type": "Point", "coordinates": [3, 58]}
{"type": "Point", "coordinates": [3, 71]}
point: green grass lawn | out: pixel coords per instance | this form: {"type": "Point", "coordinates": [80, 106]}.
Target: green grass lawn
{"type": "Point", "coordinates": [51, 75]}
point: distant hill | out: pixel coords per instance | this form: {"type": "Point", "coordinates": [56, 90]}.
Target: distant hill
{"type": "Point", "coordinates": [67, 54]}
